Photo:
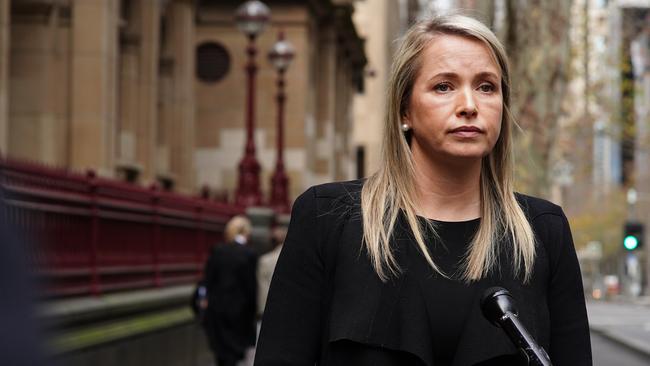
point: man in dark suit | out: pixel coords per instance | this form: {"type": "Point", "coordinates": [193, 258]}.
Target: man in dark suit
{"type": "Point", "coordinates": [230, 278]}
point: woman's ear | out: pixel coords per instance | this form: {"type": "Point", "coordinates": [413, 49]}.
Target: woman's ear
{"type": "Point", "coordinates": [405, 118]}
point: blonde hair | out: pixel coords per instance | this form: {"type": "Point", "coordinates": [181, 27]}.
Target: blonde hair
{"type": "Point", "coordinates": [391, 189]}
{"type": "Point", "coordinates": [238, 225]}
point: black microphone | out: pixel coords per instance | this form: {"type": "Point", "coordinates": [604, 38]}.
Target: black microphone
{"type": "Point", "coordinates": [499, 308]}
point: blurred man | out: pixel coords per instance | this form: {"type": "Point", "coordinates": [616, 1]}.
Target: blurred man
{"type": "Point", "coordinates": [231, 284]}
{"type": "Point", "coordinates": [267, 265]}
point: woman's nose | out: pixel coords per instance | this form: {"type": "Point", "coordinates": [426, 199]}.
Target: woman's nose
{"type": "Point", "coordinates": [466, 105]}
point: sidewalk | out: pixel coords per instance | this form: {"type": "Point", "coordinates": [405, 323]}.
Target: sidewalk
{"type": "Point", "coordinates": [626, 323]}
{"type": "Point", "coordinates": [82, 323]}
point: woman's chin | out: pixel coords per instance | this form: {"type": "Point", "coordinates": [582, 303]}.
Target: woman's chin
{"type": "Point", "coordinates": [466, 155]}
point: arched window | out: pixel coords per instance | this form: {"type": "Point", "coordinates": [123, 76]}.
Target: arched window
{"type": "Point", "coordinates": [212, 62]}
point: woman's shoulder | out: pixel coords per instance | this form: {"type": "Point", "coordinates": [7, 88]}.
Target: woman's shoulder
{"type": "Point", "coordinates": [537, 208]}
{"type": "Point", "coordinates": [350, 189]}
{"type": "Point", "coordinates": [344, 192]}
{"type": "Point", "coordinates": [548, 221]}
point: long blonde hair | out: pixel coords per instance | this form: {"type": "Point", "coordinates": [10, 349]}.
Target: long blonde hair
{"type": "Point", "coordinates": [391, 190]}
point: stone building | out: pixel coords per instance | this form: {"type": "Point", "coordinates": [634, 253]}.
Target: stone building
{"type": "Point", "coordinates": [114, 85]}
{"type": "Point", "coordinates": [380, 23]}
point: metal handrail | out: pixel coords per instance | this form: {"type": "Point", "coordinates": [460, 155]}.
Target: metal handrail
{"type": "Point", "coordinates": [89, 235]}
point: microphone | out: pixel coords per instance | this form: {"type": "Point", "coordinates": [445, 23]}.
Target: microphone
{"type": "Point", "coordinates": [499, 308]}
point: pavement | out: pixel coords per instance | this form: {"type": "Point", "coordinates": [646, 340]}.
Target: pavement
{"type": "Point", "coordinates": [88, 308]}
{"type": "Point", "coordinates": [85, 322]}
{"type": "Point", "coordinates": [625, 322]}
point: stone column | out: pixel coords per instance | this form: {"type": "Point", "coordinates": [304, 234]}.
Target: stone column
{"type": "Point", "coordinates": [180, 33]}
{"type": "Point", "coordinates": [37, 85]}
{"type": "Point", "coordinates": [94, 61]}
{"type": "Point", "coordinates": [129, 52]}
{"type": "Point", "coordinates": [4, 73]}
{"type": "Point", "coordinates": [147, 94]}
{"type": "Point", "coordinates": [166, 115]}
{"type": "Point", "coordinates": [326, 105]}
{"type": "Point", "coordinates": [341, 113]}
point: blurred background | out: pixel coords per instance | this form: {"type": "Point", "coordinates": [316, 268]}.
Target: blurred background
{"type": "Point", "coordinates": [132, 130]}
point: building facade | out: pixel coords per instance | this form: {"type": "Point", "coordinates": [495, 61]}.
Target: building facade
{"type": "Point", "coordinates": [155, 90]}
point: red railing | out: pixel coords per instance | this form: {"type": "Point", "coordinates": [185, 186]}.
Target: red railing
{"type": "Point", "coordinates": [89, 235]}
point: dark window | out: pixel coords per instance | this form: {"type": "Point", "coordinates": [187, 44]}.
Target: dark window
{"type": "Point", "coordinates": [212, 62]}
{"type": "Point", "coordinates": [125, 10]}
{"type": "Point", "coordinates": [628, 122]}
{"type": "Point", "coordinates": [361, 162]}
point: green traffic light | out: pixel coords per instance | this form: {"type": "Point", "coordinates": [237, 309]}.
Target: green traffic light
{"type": "Point", "coordinates": [630, 242]}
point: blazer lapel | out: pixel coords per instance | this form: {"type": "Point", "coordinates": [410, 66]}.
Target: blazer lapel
{"type": "Point", "coordinates": [366, 310]}
{"type": "Point", "coordinates": [480, 340]}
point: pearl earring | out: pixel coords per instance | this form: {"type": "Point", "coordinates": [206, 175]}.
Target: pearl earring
{"type": "Point", "coordinates": [405, 127]}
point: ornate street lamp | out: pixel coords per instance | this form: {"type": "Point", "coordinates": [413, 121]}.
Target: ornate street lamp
{"type": "Point", "coordinates": [251, 17]}
{"type": "Point", "coordinates": [280, 56]}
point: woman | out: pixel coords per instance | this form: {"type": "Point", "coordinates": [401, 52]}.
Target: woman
{"type": "Point", "coordinates": [390, 271]}
{"type": "Point", "coordinates": [231, 282]}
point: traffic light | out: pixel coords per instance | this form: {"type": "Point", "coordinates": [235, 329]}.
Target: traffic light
{"type": "Point", "coordinates": [633, 235]}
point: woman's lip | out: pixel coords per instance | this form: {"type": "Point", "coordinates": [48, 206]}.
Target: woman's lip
{"type": "Point", "coordinates": [466, 130]}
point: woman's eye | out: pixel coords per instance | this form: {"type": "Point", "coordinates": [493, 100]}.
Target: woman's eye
{"type": "Point", "coordinates": [486, 88]}
{"type": "Point", "coordinates": [443, 87]}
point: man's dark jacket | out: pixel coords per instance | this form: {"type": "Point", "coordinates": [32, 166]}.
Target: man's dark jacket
{"type": "Point", "coordinates": [327, 306]}
{"type": "Point", "coordinates": [231, 281]}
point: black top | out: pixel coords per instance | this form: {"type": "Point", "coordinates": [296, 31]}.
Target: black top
{"type": "Point", "coordinates": [327, 306]}
{"type": "Point", "coordinates": [231, 281]}
{"type": "Point", "coordinates": [448, 301]}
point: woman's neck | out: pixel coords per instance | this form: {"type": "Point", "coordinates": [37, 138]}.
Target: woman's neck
{"type": "Point", "coordinates": [448, 190]}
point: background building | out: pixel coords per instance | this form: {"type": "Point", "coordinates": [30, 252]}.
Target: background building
{"type": "Point", "coordinates": [152, 90]}
{"type": "Point", "coordinates": [381, 23]}
{"type": "Point", "coordinates": [325, 74]}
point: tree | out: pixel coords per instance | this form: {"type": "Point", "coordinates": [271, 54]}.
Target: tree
{"type": "Point", "coordinates": [536, 36]}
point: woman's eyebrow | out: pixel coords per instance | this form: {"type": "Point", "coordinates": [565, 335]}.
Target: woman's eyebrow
{"type": "Point", "coordinates": [445, 75]}
{"type": "Point", "coordinates": [486, 74]}
{"type": "Point", "coordinates": [455, 76]}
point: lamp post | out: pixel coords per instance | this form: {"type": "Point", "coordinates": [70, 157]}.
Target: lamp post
{"type": "Point", "coordinates": [280, 57]}
{"type": "Point", "coordinates": [251, 17]}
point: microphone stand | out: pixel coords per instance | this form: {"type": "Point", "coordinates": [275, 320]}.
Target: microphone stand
{"type": "Point", "coordinates": [498, 307]}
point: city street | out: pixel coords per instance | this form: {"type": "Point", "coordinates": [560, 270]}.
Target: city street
{"type": "Point", "coordinates": [620, 333]}
{"type": "Point", "coordinates": [608, 353]}
{"type": "Point", "coordinates": [154, 154]}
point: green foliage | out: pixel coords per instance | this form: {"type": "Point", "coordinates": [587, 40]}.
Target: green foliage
{"type": "Point", "coordinates": [536, 35]}
{"type": "Point", "coordinates": [600, 220]}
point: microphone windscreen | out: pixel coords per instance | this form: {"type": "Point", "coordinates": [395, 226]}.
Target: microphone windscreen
{"type": "Point", "coordinates": [496, 301]}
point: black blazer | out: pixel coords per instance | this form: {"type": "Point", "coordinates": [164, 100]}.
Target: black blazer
{"type": "Point", "coordinates": [231, 281]}
{"type": "Point", "coordinates": [327, 306]}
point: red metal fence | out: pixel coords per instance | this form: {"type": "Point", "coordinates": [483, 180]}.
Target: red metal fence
{"type": "Point", "coordinates": [89, 235]}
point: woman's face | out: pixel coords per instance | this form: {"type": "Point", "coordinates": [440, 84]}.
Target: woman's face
{"type": "Point", "coordinates": [456, 102]}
